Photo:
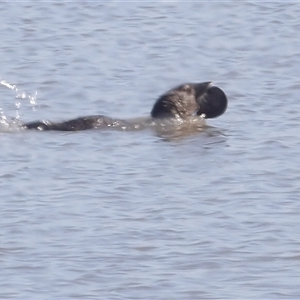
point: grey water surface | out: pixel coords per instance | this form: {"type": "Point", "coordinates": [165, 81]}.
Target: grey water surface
{"type": "Point", "coordinates": [212, 213]}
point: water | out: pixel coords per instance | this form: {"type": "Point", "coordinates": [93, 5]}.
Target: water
{"type": "Point", "coordinates": [212, 214]}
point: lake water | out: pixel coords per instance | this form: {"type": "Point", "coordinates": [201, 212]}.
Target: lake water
{"type": "Point", "coordinates": [212, 214]}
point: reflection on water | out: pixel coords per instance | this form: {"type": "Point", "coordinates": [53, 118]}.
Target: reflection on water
{"type": "Point", "coordinates": [177, 129]}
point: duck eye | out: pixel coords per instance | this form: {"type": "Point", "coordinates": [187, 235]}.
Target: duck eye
{"type": "Point", "coordinates": [186, 88]}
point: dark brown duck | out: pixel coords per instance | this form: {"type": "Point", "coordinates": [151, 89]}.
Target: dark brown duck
{"type": "Point", "coordinates": [182, 102]}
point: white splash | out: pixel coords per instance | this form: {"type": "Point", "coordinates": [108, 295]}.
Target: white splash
{"type": "Point", "coordinates": [9, 122]}
{"type": "Point", "coordinates": [10, 86]}
{"type": "Point", "coordinates": [21, 94]}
